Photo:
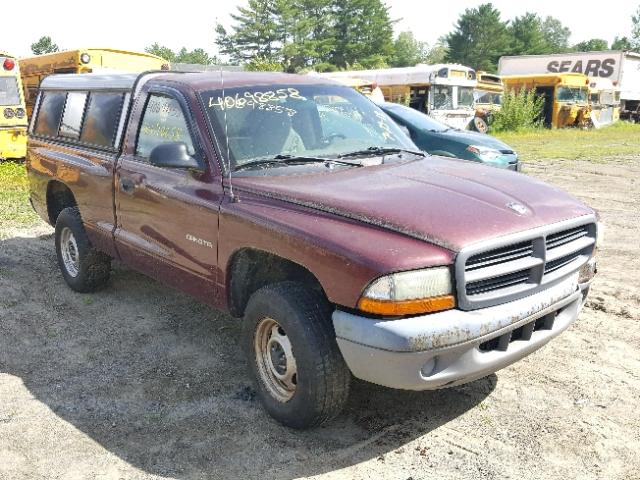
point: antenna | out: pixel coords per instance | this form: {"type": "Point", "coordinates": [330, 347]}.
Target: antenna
{"type": "Point", "coordinates": [226, 139]}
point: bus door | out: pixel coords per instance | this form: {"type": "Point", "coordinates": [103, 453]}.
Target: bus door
{"type": "Point", "coordinates": [547, 109]}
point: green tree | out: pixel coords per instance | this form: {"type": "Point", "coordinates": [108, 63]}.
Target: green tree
{"type": "Point", "coordinates": [528, 36]}
{"type": "Point", "coordinates": [44, 45]}
{"type": "Point", "coordinates": [256, 33]}
{"type": "Point", "coordinates": [621, 43]}
{"type": "Point", "coordinates": [593, 45]}
{"type": "Point", "coordinates": [480, 38]}
{"type": "Point", "coordinates": [197, 56]}
{"type": "Point", "coordinates": [557, 35]}
{"type": "Point", "coordinates": [635, 31]}
{"type": "Point", "coordinates": [161, 51]}
{"type": "Point", "coordinates": [363, 33]}
{"type": "Point", "coordinates": [408, 51]}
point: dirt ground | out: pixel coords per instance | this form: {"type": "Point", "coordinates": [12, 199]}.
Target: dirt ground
{"type": "Point", "coordinates": [139, 381]}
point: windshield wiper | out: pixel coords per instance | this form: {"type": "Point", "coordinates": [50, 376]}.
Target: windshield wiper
{"type": "Point", "coordinates": [373, 151]}
{"type": "Point", "coordinates": [292, 160]}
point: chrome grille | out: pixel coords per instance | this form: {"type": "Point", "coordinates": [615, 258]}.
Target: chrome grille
{"type": "Point", "coordinates": [519, 265]}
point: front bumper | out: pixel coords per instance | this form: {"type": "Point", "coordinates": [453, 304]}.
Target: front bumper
{"type": "Point", "coordinates": [454, 347]}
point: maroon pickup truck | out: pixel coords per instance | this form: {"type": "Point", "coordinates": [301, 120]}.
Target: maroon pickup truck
{"type": "Point", "coordinates": [297, 205]}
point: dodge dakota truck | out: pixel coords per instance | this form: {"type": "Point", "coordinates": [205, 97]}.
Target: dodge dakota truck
{"type": "Point", "coordinates": [296, 205]}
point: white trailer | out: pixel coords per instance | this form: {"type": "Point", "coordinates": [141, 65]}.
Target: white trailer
{"type": "Point", "coordinates": [621, 67]}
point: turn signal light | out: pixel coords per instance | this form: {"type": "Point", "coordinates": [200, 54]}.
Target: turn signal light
{"type": "Point", "coordinates": [407, 307]}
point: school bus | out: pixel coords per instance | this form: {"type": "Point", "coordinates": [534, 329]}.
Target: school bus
{"type": "Point", "coordinates": [443, 91]}
{"type": "Point", "coordinates": [566, 97]}
{"type": "Point", "coordinates": [88, 60]}
{"type": "Point", "coordinates": [604, 98]}
{"type": "Point", "coordinates": [488, 99]}
{"type": "Point", "coordinates": [13, 117]}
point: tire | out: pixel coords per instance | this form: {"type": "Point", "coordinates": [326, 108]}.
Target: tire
{"type": "Point", "coordinates": [83, 268]}
{"type": "Point", "coordinates": [297, 323]}
{"type": "Point", "coordinates": [480, 125]}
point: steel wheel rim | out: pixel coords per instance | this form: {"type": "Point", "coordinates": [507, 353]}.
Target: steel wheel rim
{"type": "Point", "coordinates": [275, 360]}
{"type": "Point", "coordinates": [69, 251]}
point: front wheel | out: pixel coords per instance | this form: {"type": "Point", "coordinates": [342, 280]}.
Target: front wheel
{"type": "Point", "coordinates": [300, 375]}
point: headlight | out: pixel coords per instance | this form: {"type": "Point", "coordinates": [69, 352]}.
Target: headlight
{"type": "Point", "coordinates": [409, 293]}
{"type": "Point", "coordinates": [85, 58]}
{"type": "Point", "coordinates": [8, 113]}
{"type": "Point", "coordinates": [485, 153]}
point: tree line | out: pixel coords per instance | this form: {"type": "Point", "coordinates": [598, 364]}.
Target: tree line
{"type": "Point", "coordinates": [328, 35]}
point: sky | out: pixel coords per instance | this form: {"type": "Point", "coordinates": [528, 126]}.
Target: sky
{"type": "Point", "coordinates": [134, 25]}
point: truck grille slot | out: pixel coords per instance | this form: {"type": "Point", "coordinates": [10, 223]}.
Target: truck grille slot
{"type": "Point", "coordinates": [532, 261]}
{"type": "Point", "coordinates": [554, 265]}
{"type": "Point", "coordinates": [500, 255]}
{"type": "Point", "coordinates": [567, 236]}
{"type": "Point", "coordinates": [497, 283]}
{"type": "Point", "coordinates": [522, 333]}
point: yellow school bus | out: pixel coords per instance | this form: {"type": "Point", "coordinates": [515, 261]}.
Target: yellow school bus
{"type": "Point", "coordinates": [488, 99]}
{"type": "Point", "coordinates": [13, 117]}
{"type": "Point", "coordinates": [34, 69]}
{"type": "Point", "coordinates": [566, 97]}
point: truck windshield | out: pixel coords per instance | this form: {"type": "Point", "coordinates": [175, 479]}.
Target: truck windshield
{"type": "Point", "coordinates": [572, 94]}
{"type": "Point", "coordinates": [442, 97]}
{"type": "Point", "coordinates": [465, 97]}
{"type": "Point", "coordinates": [9, 91]}
{"type": "Point", "coordinates": [263, 122]}
{"type": "Point", "coordinates": [483, 97]}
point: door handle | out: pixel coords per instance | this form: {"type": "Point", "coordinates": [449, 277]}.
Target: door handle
{"type": "Point", "coordinates": [127, 186]}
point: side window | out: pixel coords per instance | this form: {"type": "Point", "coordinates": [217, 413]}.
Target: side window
{"type": "Point", "coordinates": [50, 112]}
{"type": "Point", "coordinates": [162, 122]}
{"type": "Point", "coordinates": [73, 113]}
{"type": "Point", "coordinates": [102, 119]}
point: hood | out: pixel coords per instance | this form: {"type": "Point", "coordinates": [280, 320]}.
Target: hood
{"type": "Point", "coordinates": [450, 203]}
{"type": "Point", "coordinates": [468, 137]}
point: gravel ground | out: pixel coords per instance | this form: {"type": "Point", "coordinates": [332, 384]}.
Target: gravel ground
{"type": "Point", "coordinates": [139, 381]}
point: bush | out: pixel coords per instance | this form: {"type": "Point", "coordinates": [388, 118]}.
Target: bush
{"type": "Point", "coordinates": [520, 110]}
{"type": "Point", "coordinates": [261, 64]}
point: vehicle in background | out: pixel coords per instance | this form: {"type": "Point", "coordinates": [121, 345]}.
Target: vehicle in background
{"type": "Point", "coordinates": [343, 249]}
{"type": "Point", "coordinates": [566, 97]}
{"type": "Point", "coordinates": [87, 60]}
{"type": "Point", "coordinates": [436, 138]}
{"type": "Point", "coordinates": [443, 91]}
{"type": "Point", "coordinates": [13, 117]}
{"type": "Point", "coordinates": [619, 66]}
{"type": "Point", "coordinates": [488, 99]}
{"type": "Point", "coordinates": [604, 99]}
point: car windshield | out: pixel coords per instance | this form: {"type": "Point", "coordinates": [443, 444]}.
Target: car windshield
{"type": "Point", "coordinates": [263, 122]}
{"type": "Point", "coordinates": [572, 94]}
{"type": "Point", "coordinates": [410, 117]}
{"type": "Point", "coordinates": [442, 97]}
{"type": "Point", "coordinates": [465, 97]}
{"type": "Point", "coordinates": [9, 91]}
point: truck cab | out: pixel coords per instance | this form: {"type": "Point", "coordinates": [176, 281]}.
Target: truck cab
{"type": "Point", "coordinates": [297, 206]}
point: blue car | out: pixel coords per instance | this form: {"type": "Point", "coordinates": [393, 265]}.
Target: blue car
{"type": "Point", "coordinates": [437, 138]}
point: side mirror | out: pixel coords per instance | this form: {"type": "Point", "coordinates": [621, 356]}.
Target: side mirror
{"type": "Point", "coordinates": [173, 155]}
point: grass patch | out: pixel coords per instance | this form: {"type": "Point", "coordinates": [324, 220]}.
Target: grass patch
{"type": "Point", "coordinates": [15, 210]}
{"type": "Point", "coordinates": [617, 140]}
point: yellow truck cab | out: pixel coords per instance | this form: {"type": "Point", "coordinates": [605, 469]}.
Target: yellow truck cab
{"type": "Point", "coordinates": [604, 98]}
{"type": "Point", "coordinates": [488, 99]}
{"type": "Point", "coordinates": [13, 117]}
{"type": "Point", "coordinates": [566, 96]}
{"type": "Point", "coordinates": [87, 60]}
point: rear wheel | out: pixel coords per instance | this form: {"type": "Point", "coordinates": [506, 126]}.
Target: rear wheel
{"type": "Point", "coordinates": [293, 356]}
{"type": "Point", "coordinates": [83, 268]}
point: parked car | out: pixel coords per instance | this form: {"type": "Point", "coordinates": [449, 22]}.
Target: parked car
{"type": "Point", "coordinates": [344, 251]}
{"type": "Point", "coordinates": [437, 138]}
